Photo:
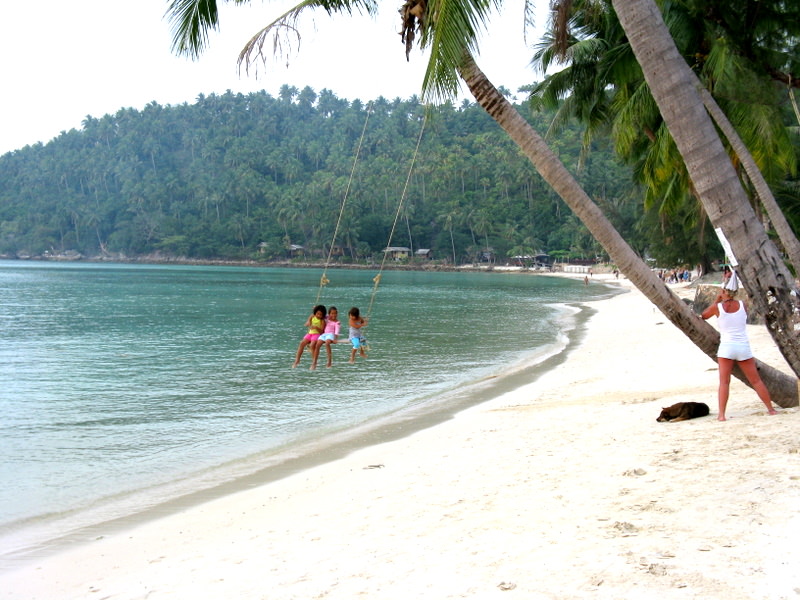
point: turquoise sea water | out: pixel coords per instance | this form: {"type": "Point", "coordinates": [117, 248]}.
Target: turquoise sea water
{"type": "Point", "coordinates": [123, 386]}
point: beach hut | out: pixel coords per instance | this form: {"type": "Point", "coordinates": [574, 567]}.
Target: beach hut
{"type": "Point", "coordinates": [296, 250]}
{"type": "Point", "coordinates": [397, 252]}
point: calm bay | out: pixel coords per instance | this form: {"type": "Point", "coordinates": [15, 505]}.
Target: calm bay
{"type": "Point", "coordinates": [123, 387]}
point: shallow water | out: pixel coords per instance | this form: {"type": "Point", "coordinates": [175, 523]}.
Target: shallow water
{"type": "Point", "coordinates": [127, 384]}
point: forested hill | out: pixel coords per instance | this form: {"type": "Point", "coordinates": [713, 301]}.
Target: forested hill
{"type": "Point", "coordinates": [237, 176]}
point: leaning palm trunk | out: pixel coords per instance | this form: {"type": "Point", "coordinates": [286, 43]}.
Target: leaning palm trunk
{"type": "Point", "coordinates": [782, 387]}
{"type": "Point", "coordinates": [771, 293]}
{"type": "Point", "coordinates": [672, 85]}
{"type": "Point", "coordinates": [776, 216]}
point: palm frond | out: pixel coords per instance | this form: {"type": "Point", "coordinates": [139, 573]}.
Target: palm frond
{"type": "Point", "coordinates": [530, 22]}
{"type": "Point", "coordinates": [191, 20]}
{"type": "Point", "coordinates": [285, 33]}
{"type": "Point", "coordinates": [452, 28]}
{"type": "Point", "coordinates": [545, 53]}
{"type": "Point", "coordinates": [637, 113]}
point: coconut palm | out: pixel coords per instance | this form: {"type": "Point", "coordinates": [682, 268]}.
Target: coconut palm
{"type": "Point", "coordinates": [451, 35]}
{"type": "Point", "coordinates": [447, 218]}
{"type": "Point", "coordinates": [782, 228]}
{"type": "Point", "coordinates": [555, 173]}
{"type": "Point", "coordinates": [602, 85]}
{"type": "Point", "coordinates": [675, 89]}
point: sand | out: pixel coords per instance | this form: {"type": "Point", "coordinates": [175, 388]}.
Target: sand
{"type": "Point", "coordinates": [564, 488]}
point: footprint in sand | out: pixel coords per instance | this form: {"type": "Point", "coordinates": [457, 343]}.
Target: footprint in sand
{"type": "Point", "coordinates": [635, 472]}
{"type": "Point", "coordinates": [625, 529]}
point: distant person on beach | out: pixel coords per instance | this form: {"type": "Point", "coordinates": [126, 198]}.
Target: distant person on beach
{"type": "Point", "coordinates": [328, 337]}
{"type": "Point", "coordinates": [734, 346]}
{"type": "Point", "coordinates": [585, 280]}
{"type": "Point", "coordinates": [316, 325]}
{"type": "Point", "coordinates": [356, 322]}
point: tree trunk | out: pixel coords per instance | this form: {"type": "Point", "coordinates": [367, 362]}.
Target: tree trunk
{"type": "Point", "coordinates": [776, 216]}
{"type": "Point", "coordinates": [672, 85]}
{"type": "Point", "coordinates": [783, 388]}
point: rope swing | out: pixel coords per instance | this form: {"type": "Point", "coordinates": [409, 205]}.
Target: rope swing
{"type": "Point", "coordinates": [323, 281]}
{"type": "Point", "coordinates": [377, 279]}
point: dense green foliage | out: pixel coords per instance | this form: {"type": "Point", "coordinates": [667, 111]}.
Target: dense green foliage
{"type": "Point", "coordinates": [602, 86]}
{"type": "Point", "coordinates": [242, 177]}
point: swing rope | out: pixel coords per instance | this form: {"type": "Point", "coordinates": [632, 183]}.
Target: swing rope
{"type": "Point", "coordinates": [323, 281]}
{"type": "Point", "coordinates": [377, 278]}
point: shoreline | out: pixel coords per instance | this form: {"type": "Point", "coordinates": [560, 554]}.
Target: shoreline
{"type": "Point", "coordinates": [283, 264]}
{"type": "Point", "coordinates": [53, 534]}
{"type": "Point", "coordinates": [564, 487]}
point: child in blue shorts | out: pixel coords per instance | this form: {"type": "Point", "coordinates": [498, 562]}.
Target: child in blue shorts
{"type": "Point", "coordinates": [357, 322]}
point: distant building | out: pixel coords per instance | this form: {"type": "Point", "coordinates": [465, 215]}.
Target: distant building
{"type": "Point", "coordinates": [486, 255]}
{"type": "Point", "coordinates": [296, 250]}
{"type": "Point", "coordinates": [521, 260]}
{"type": "Point", "coordinates": [424, 253]}
{"type": "Point", "coordinates": [397, 252]}
{"type": "Point", "coordinates": [532, 261]}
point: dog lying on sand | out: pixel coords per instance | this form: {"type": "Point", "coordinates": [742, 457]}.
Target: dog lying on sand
{"type": "Point", "coordinates": [683, 411]}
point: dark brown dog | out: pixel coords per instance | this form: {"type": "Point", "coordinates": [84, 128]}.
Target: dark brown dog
{"type": "Point", "coordinates": [683, 410]}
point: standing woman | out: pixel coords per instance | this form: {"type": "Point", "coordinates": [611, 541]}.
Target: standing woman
{"type": "Point", "coordinates": [734, 345]}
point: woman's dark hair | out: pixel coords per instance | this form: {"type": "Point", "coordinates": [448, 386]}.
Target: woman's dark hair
{"type": "Point", "coordinates": [354, 312]}
{"type": "Point", "coordinates": [319, 307]}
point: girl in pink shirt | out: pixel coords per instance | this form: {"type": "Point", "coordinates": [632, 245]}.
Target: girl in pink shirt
{"type": "Point", "coordinates": [328, 337]}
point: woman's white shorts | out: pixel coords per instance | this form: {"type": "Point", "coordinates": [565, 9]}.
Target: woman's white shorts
{"type": "Point", "coordinates": [734, 351]}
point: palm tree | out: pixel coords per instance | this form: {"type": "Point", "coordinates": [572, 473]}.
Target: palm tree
{"type": "Point", "coordinates": [599, 59]}
{"type": "Point", "coordinates": [288, 211]}
{"type": "Point", "coordinates": [448, 216]}
{"type": "Point", "coordinates": [553, 171]}
{"type": "Point", "coordinates": [482, 225]}
{"type": "Point", "coordinates": [452, 38]}
{"type": "Point", "coordinates": [782, 228]}
{"type": "Point", "coordinates": [675, 89]}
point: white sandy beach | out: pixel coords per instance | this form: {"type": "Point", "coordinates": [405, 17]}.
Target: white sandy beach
{"type": "Point", "coordinates": [564, 488]}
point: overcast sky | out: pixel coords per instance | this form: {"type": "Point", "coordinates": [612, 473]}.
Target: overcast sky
{"type": "Point", "coordinates": [63, 60]}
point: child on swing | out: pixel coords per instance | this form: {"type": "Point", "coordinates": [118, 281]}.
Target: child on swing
{"type": "Point", "coordinates": [316, 325]}
{"type": "Point", "coordinates": [328, 337]}
{"type": "Point", "coordinates": [356, 336]}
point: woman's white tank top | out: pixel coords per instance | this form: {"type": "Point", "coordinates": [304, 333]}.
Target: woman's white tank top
{"type": "Point", "coordinates": [732, 326]}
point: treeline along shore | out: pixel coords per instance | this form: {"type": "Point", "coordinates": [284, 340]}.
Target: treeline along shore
{"type": "Point", "coordinates": [248, 177]}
